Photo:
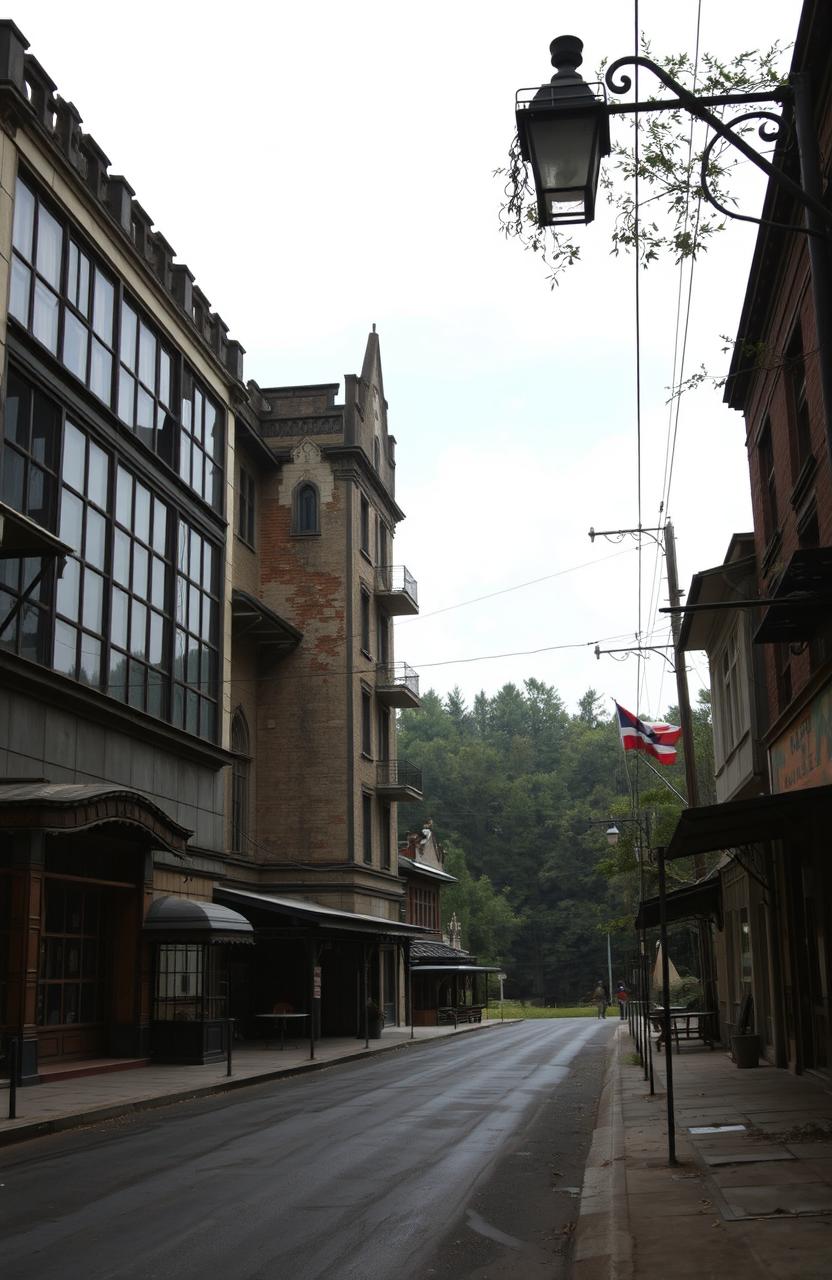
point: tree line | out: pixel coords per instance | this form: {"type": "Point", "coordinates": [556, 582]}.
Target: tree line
{"type": "Point", "coordinates": [520, 792]}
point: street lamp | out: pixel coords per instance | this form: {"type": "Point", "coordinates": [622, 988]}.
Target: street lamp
{"type": "Point", "coordinates": [563, 132]}
{"type": "Point", "coordinates": [612, 834]}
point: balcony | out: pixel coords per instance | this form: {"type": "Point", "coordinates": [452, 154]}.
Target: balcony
{"type": "Point", "coordinates": [397, 685]}
{"type": "Point", "coordinates": [396, 590]}
{"type": "Point", "coordinates": [398, 780]}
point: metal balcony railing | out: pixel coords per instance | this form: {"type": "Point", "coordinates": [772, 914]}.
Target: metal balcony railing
{"type": "Point", "coordinates": [399, 774]}
{"type": "Point", "coordinates": [397, 675]}
{"type": "Point", "coordinates": [397, 578]}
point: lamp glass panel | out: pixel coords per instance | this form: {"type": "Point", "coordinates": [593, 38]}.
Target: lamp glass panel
{"type": "Point", "coordinates": [564, 150]}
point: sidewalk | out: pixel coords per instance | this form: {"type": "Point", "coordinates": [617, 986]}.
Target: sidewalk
{"type": "Point", "coordinates": [754, 1201]}
{"type": "Point", "coordinates": [67, 1103]}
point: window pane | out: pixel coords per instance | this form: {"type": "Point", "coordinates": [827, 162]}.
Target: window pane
{"type": "Point", "coordinates": [45, 319]}
{"type": "Point", "coordinates": [138, 630]}
{"type": "Point", "coordinates": [124, 498]}
{"type": "Point", "coordinates": [72, 516]}
{"type": "Point", "coordinates": [140, 559]}
{"type": "Point", "coordinates": [198, 423]}
{"type": "Point", "coordinates": [179, 657]}
{"type": "Point", "coordinates": [37, 501]}
{"type": "Point", "coordinates": [192, 664]}
{"type": "Point", "coordinates": [182, 554]}
{"type": "Point", "coordinates": [164, 378]}
{"type": "Point", "coordinates": [13, 478]}
{"type": "Point", "coordinates": [32, 633]}
{"type": "Point", "coordinates": [208, 562]}
{"type": "Point", "coordinates": [18, 402]}
{"type": "Point", "coordinates": [126, 397]}
{"type": "Point", "coordinates": [93, 600]}
{"type": "Point", "coordinates": [160, 526]}
{"type": "Point", "coordinates": [121, 558]}
{"type": "Point", "coordinates": [208, 728]}
{"type": "Point", "coordinates": [74, 457]}
{"type": "Point", "coordinates": [155, 650]}
{"type": "Point", "coordinates": [45, 431]}
{"type": "Point", "coordinates": [117, 684]}
{"type": "Point", "coordinates": [50, 237]}
{"type": "Point", "coordinates": [96, 535]}
{"type": "Point", "coordinates": [185, 457]}
{"type": "Point", "coordinates": [147, 357]}
{"type": "Point", "coordinates": [118, 618]}
{"type": "Point", "coordinates": [156, 693]}
{"type": "Point", "coordinates": [75, 346]}
{"type": "Point", "coordinates": [213, 434]}
{"type": "Point", "coordinates": [129, 322]}
{"type": "Point", "coordinates": [102, 315]}
{"type": "Point", "coordinates": [157, 585]}
{"type": "Point", "coordinates": [194, 602]}
{"type": "Point", "coordinates": [191, 712]}
{"type": "Point", "coordinates": [24, 219]}
{"type": "Point", "coordinates": [101, 371]}
{"type": "Point", "coordinates": [69, 589]}
{"type": "Point", "coordinates": [99, 469]}
{"type": "Point", "coordinates": [135, 685]}
{"type": "Point", "coordinates": [142, 513]}
{"type": "Point", "coordinates": [90, 668]}
{"type": "Point", "coordinates": [144, 417]}
{"type": "Point", "coordinates": [19, 297]}
{"type": "Point", "coordinates": [65, 637]}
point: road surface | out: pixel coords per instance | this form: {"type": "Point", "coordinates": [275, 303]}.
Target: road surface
{"type": "Point", "coordinates": [461, 1159]}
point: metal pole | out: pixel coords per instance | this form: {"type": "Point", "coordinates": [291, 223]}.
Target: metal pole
{"type": "Point", "coordinates": [681, 675]}
{"type": "Point", "coordinates": [410, 993]}
{"type": "Point", "coordinates": [229, 1048]}
{"type": "Point", "coordinates": [13, 1078]}
{"type": "Point", "coordinates": [609, 967]}
{"type": "Point", "coordinates": [366, 998]}
{"type": "Point", "coordinates": [668, 1024]}
{"type": "Point", "coordinates": [818, 247]}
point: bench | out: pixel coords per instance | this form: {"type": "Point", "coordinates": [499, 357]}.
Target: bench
{"type": "Point", "coordinates": [461, 1013]}
{"type": "Point", "coordinates": [692, 1024]}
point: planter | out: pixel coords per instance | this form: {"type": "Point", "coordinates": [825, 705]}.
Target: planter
{"type": "Point", "coordinates": [746, 1050]}
{"type": "Point", "coordinates": [374, 1028]}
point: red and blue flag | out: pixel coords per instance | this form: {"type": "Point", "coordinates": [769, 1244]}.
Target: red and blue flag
{"type": "Point", "coordinates": [656, 740]}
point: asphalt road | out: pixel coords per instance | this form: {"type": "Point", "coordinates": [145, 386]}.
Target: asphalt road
{"type": "Point", "coordinates": [460, 1159]}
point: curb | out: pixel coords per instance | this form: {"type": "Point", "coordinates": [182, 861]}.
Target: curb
{"type": "Point", "coordinates": [60, 1124]}
{"type": "Point", "coordinates": [603, 1241]}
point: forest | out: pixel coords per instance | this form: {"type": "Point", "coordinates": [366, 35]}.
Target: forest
{"type": "Point", "coordinates": [521, 792]}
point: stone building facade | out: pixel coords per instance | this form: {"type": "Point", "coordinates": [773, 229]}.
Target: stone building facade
{"type": "Point", "coordinates": [197, 686]}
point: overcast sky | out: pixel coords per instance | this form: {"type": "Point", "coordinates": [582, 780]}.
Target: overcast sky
{"type": "Point", "coordinates": [326, 166]}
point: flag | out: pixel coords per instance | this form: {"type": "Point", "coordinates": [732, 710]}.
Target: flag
{"type": "Point", "coordinates": [656, 740]}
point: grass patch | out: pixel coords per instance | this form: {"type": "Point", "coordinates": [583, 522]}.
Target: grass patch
{"type": "Point", "coordinates": [514, 1009]}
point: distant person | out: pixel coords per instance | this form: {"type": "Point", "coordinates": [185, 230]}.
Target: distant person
{"type": "Point", "coordinates": [622, 995]}
{"type": "Point", "coordinates": [599, 999]}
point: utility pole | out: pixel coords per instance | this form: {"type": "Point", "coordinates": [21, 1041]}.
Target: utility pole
{"type": "Point", "coordinates": [681, 674]}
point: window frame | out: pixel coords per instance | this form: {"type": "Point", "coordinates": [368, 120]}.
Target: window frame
{"type": "Point", "coordinates": [246, 507]}
{"type": "Point", "coordinates": [302, 527]}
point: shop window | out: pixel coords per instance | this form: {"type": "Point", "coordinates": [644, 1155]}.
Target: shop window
{"type": "Point", "coordinates": [201, 443]}
{"type": "Point", "coordinates": [70, 973]}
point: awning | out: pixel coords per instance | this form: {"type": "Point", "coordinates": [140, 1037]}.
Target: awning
{"type": "Point", "coordinates": [174, 919]}
{"type": "Point", "coordinates": [323, 917]}
{"type": "Point", "coordinates": [256, 621]}
{"type": "Point", "coordinates": [802, 599]}
{"type": "Point", "coordinates": [21, 536]}
{"type": "Point", "coordinates": [61, 807]}
{"type": "Point", "coordinates": [739, 822]}
{"type": "Point", "coordinates": [692, 900]}
{"type": "Point", "coordinates": [456, 968]}
{"type": "Point", "coordinates": [434, 873]}
{"type": "Point", "coordinates": [427, 949]}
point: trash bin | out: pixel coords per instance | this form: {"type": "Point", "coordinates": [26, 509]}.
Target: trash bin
{"type": "Point", "coordinates": [746, 1049]}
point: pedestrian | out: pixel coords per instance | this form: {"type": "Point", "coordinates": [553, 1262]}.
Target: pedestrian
{"type": "Point", "coordinates": [622, 995]}
{"type": "Point", "coordinates": [599, 999]}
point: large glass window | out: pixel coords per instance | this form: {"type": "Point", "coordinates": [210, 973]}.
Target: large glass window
{"type": "Point", "coordinates": [29, 485]}
{"type": "Point", "coordinates": [72, 306]}
{"type": "Point", "coordinates": [59, 292]}
{"type": "Point", "coordinates": [140, 617]}
{"type": "Point", "coordinates": [81, 591]}
{"type": "Point", "coordinates": [196, 661]}
{"type": "Point", "coordinates": [201, 444]}
{"type": "Point", "coordinates": [146, 378]}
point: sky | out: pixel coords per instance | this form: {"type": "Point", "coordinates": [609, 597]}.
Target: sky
{"type": "Point", "coordinates": [325, 167]}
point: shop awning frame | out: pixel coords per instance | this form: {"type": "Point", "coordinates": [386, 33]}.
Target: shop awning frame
{"type": "Point", "coordinates": [692, 901]}
{"type": "Point", "coordinates": [742, 822]}
{"type": "Point", "coordinates": [312, 913]}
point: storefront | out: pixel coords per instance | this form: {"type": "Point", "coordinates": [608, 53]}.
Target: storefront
{"type": "Point", "coordinates": [76, 873]}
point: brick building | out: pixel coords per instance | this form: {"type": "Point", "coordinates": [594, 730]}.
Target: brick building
{"type": "Point", "coordinates": [197, 684]}
{"type": "Point", "coordinates": [771, 663]}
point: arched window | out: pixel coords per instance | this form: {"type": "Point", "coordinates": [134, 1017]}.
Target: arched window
{"type": "Point", "coordinates": [240, 769]}
{"type": "Point", "coordinates": [306, 509]}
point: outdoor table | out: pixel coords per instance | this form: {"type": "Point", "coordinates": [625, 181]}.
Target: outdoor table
{"type": "Point", "coordinates": [282, 1019]}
